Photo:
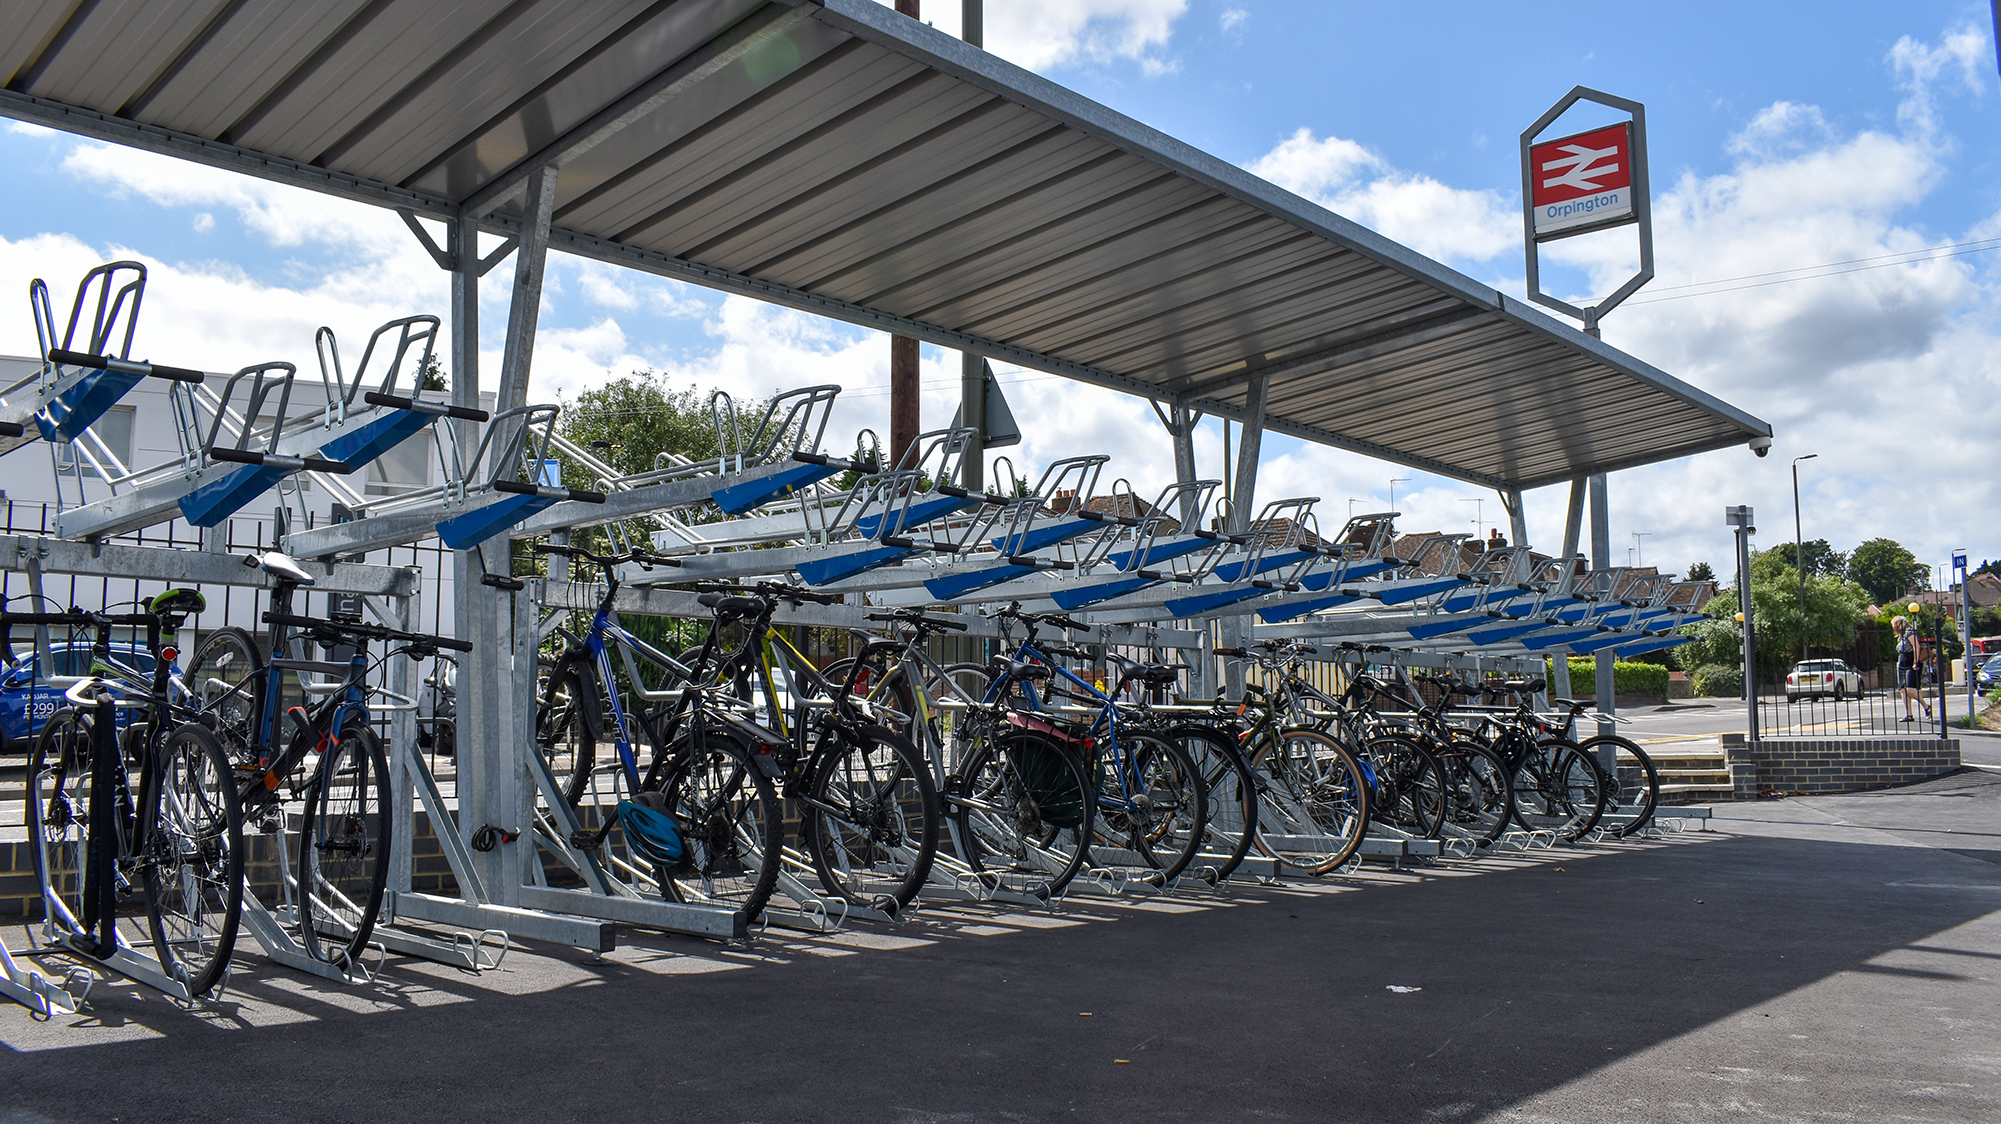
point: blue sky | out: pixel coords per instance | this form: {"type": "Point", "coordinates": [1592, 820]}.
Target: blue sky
{"type": "Point", "coordinates": [1783, 137]}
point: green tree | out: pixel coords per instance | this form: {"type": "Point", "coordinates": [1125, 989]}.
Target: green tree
{"type": "Point", "coordinates": [1834, 608]}
{"type": "Point", "coordinates": [1885, 570]}
{"type": "Point", "coordinates": [1700, 572]}
{"type": "Point", "coordinates": [1820, 557]}
{"type": "Point", "coordinates": [434, 375]}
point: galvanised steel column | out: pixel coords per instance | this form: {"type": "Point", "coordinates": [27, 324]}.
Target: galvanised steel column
{"type": "Point", "coordinates": [1739, 518]}
{"type": "Point", "coordinates": [491, 785]}
{"type": "Point", "coordinates": [1573, 526]}
{"type": "Point", "coordinates": [1601, 559]}
{"type": "Point", "coordinates": [1236, 630]}
{"type": "Point", "coordinates": [973, 367]}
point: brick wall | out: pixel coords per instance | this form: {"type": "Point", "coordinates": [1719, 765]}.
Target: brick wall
{"type": "Point", "coordinates": [1816, 765]}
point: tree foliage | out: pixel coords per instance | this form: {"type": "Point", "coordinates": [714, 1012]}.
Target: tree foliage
{"type": "Point", "coordinates": [1821, 558]}
{"type": "Point", "coordinates": [1700, 572]}
{"type": "Point", "coordinates": [1886, 570]}
{"type": "Point", "coordinates": [1834, 607]}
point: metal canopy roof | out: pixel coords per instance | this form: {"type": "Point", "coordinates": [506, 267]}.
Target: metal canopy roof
{"type": "Point", "coordinates": [833, 156]}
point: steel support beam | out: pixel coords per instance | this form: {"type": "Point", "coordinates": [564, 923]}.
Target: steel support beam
{"type": "Point", "coordinates": [23, 553]}
{"type": "Point", "coordinates": [1235, 631]}
{"type": "Point", "coordinates": [1573, 526]}
{"type": "Point", "coordinates": [1601, 559]}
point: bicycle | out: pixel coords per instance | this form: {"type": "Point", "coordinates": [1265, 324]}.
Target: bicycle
{"type": "Point", "coordinates": [177, 835]}
{"type": "Point", "coordinates": [342, 866]}
{"type": "Point", "coordinates": [1151, 802]}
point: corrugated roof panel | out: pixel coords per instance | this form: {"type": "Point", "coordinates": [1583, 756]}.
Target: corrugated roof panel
{"type": "Point", "coordinates": [834, 156]}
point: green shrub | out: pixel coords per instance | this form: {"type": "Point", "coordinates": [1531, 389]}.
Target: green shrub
{"type": "Point", "coordinates": [1717, 681]}
{"type": "Point", "coordinates": [1628, 678]}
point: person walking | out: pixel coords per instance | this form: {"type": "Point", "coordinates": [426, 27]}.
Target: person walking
{"type": "Point", "coordinates": [1910, 670]}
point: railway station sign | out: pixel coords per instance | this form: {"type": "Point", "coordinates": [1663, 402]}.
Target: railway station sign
{"type": "Point", "coordinates": [1583, 182]}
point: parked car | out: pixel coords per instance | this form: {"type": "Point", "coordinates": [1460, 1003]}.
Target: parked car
{"type": "Point", "coordinates": [1989, 673]}
{"type": "Point", "coordinates": [1812, 679]}
{"type": "Point", "coordinates": [26, 704]}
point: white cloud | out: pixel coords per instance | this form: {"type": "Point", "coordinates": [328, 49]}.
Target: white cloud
{"type": "Point", "coordinates": [1233, 18]}
{"type": "Point", "coordinates": [1920, 66]}
{"type": "Point", "coordinates": [1348, 179]}
{"type": "Point", "coordinates": [204, 223]}
{"type": "Point", "coordinates": [1044, 35]}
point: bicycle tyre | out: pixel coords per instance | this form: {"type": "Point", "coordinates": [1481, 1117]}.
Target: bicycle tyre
{"type": "Point", "coordinates": [1232, 823]}
{"type": "Point", "coordinates": [1558, 789]}
{"type": "Point", "coordinates": [194, 879]}
{"type": "Point", "coordinates": [732, 827]}
{"type": "Point", "coordinates": [1316, 808]}
{"type": "Point", "coordinates": [214, 678]}
{"type": "Point", "coordinates": [344, 847]}
{"type": "Point", "coordinates": [1409, 776]}
{"type": "Point", "coordinates": [1167, 780]}
{"type": "Point", "coordinates": [1020, 807]}
{"type": "Point", "coordinates": [1636, 786]}
{"type": "Point", "coordinates": [58, 818]}
{"type": "Point", "coordinates": [870, 820]}
{"type": "Point", "coordinates": [1481, 799]}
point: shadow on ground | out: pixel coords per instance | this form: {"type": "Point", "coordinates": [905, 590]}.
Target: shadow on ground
{"type": "Point", "coordinates": [1797, 964]}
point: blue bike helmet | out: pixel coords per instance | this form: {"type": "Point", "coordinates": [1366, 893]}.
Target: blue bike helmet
{"type": "Point", "coordinates": [649, 829]}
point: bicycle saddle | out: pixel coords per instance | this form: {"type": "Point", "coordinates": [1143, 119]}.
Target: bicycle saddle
{"type": "Point", "coordinates": [728, 605]}
{"type": "Point", "coordinates": [1159, 675]}
{"type": "Point", "coordinates": [278, 566]}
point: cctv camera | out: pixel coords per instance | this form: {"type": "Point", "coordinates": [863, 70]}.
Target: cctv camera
{"type": "Point", "coordinates": [1761, 445]}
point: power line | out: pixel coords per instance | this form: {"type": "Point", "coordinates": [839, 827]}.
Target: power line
{"type": "Point", "coordinates": [1914, 257]}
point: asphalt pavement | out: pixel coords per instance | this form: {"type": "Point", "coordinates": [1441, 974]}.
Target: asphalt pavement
{"type": "Point", "coordinates": [1808, 959]}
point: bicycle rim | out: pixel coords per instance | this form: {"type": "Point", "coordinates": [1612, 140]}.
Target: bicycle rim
{"type": "Point", "coordinates": [1230, 829]}
{"type": "Point", "coordinates": [1479, 800]}
{"type": "Point", "coordinates": [731, 825]}
{"type": "Point", "coordinates": [1019, 809]}
{"type": "Point", "coordinates": [1151, 807]}
{"type": "Point", "coordinates": [1558, 789]}
{"type": "Point", "coordinates": [1637, 784]}
{"type": "Point", "coordinates": [216, 679]}
{"type": "Point", "coordinates": [58, 814]}
{"type": "Point", "coordinates": [344, 848]}
{"type": "Point", "coordinates": [194, 881]}
{"type": "Point", "coordinates": [1316, 806]}
{"type": "Point", "coordinates": [872, 820]}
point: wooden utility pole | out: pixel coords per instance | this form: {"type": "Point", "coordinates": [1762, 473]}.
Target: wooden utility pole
{"type": "Point", "coordinates": [904, 420]}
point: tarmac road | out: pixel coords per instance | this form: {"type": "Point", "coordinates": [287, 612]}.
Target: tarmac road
{"type": "Point", "coordinates": [1810, 959]}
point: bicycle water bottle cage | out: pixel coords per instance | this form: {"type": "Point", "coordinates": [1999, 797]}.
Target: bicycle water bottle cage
{"type": "Point", "coordinates": [649, 829]}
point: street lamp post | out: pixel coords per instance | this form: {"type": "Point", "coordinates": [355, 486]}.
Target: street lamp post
{"type": "Point", "coordinates": [1799, 549]}
{"type": "Point", "coordinates": [1394, 481]}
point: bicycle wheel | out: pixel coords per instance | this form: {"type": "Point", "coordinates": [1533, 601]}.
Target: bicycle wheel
{"type": "Point", "coordinates": [1020, 808]}
{"type": "Point", "coordinates": [1479, 802]}
{"type": "Point", "coordinates": [1315, 807]}
{"type": "Point", "coordinates": [1636, 784]}
{"type": "Point", "coordinates": [1230, 829]}
{"type": "Point", "coordinates": [59, 815]}
{"type": "Point", "coordinates": [731, 824]}
{"type": "Point", "coordinates": [194, 876]}
{"type": "Point", "coordinates": [344, 847]}
{"type": "Point", "coordinates": [1558, 789]}
{"type": "Point", "coordinates": [216, 680]}
{"type": "Point", "coordinates": [870, 819]}
{"type": "Point", "coordinates": [1410, 785]}
{"type": "Point", "coordinates": [1151, 806]}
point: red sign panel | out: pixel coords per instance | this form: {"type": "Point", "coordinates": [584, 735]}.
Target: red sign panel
{"type": "Point", "coordinates": [1582, 181]}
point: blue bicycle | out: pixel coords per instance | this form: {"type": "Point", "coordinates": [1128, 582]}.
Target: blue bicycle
{"type": "Point", "coordinates": [1151, 805]}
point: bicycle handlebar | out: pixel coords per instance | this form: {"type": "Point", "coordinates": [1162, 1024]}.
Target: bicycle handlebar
{"type": "Point", "coordinates": [920, 620]}
{"type": "Point", "coordinates": [368, 631]}
{"type": "Point", "coordinates": [12, 429]}
{"type": "Point", "coordinates": [639, 556]}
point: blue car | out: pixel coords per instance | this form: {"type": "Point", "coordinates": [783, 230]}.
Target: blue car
{"type": "Point", "coordinates": [26, 704]}
{"type": "Point", "coordinates": [1989, 673]}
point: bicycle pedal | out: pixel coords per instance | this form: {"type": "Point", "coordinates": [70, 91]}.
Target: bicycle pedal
{"type": "Point", "coordinates": [586, 841]}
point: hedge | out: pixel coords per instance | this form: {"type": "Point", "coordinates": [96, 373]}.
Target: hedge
{"type": "Point", "coordinates": [1628, 678]}
{"type": "Point", "coordinates": [1717, 681]}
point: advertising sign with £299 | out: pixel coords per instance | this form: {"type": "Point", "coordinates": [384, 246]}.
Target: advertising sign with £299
{"type": "Point", "coordinates": [1583, 182]}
